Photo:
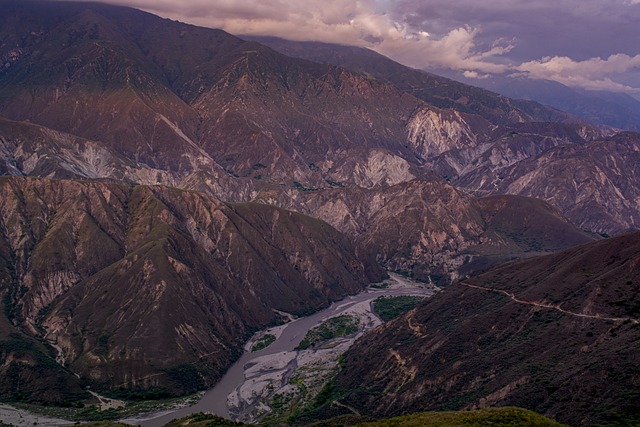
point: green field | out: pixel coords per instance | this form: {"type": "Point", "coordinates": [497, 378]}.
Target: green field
{"type": "Point", "coordinates": [389, 308]}
{"type": "Point", "coordinates": [492, 417]}
{"type": "Point", "coordinates": [264, 342]}
{"type": "Point", "coordinates": [335, 327]}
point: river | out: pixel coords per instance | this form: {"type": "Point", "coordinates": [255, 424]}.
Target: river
{"type": "Point", "coordinates": [290, 335]}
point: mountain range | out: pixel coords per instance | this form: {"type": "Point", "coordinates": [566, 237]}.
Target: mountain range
{"type": "Point", "coordinates": [236, 120]}
{"type": "Point", "coordinates": [170, 189]}
{"type": "Point", "coordinates": [517, 154]}
{"type": "Point", "coordinates": [136, 287]}
{"type": "Point", "coordinates": [616, 109]}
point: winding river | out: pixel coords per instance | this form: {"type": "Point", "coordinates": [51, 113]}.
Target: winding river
{"type": "Point", "coordinates": [215, 400]}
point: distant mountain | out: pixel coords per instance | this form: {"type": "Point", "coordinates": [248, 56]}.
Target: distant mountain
{"type": "Point", "coordinates": [556, 334]}
{"type": "Point", "coordinates": [124, 95]}
{"type": "Point", "coordinates": [585, 180]}
{"type": "Point", "coordinates": [582, 169]}
{"type": "Point", "coordinates": [608, 108]}
{"type": "Point", "coordinates": [128, 96]}
{"type": "Point", "coordinates": [136, 285]}
{"type": "Point", "coordinates": [436, 90]}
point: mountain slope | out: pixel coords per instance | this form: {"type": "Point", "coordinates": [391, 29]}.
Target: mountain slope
{"type": "Point", "coordinates": [534, 158]}
{"type": "Point", "coordinates": [135, 284]}
{"type": "Point", "coordinates": [608, 108]}
{"type": "Point", "coordinates": [29, 370]}
{"type": "Point", "coordinates": [555, 334]}
{"type": "Point", "coordinates": [195, 108]}
{"type": "Point", "coordinates": [137, 98]}
{"type": "Point", "coordinates": [435, 90]}
{"type": "Point", "coordinates": [155, 288]}
{"type": "Point", "coordinates": [594, 184]}
{"type": "Point", "coordinates": [191, 100]}
{"type": "Point", "coordinates": [429, 229]}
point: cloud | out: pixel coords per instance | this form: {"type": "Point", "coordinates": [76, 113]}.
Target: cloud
{"type": "Point", "coordinates": [475, 75]}
{"type": "Point", "coordinates": [593, 73]}
{"type": "Point", "coordinates": [455, 50]}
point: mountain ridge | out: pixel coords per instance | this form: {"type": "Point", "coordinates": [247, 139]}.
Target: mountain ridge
{"type": "Point", "coordinates": [131, 282]}
{"type": "Point", "coordinates": [525, 157]}
{"type": "Point", "coordinates": [530, 332]}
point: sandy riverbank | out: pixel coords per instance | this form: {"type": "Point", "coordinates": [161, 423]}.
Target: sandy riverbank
{"type": "Point", "coordinates": [18, 417]}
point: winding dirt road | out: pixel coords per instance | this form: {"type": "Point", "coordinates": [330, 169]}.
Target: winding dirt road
{"type": "Point", "coordinates": [550, 306]}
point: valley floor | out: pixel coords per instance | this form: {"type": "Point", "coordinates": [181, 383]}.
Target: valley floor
{"type": "Point", "coordinates": [278, 380]}
{"type": "Point", "coordinates": [18, 417]}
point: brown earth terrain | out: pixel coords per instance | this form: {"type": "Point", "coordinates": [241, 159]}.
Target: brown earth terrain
{"type": "Point", "coordinates": [142, 287]}
{"type": "Point", "coordinates": [556, 334]}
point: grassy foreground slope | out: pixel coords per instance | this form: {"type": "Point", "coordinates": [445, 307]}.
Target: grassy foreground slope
{"type": "Point", "coordinates": [494, 417]}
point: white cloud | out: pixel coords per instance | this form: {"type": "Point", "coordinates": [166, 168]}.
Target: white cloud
{"type": "Point", "coordinates": [593, 73]}
{"type": "Point", "coordinates": [455, 50]}
{"type": "Point", "coordinates": [475, 75]}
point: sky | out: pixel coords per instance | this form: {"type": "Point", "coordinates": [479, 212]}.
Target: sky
{"type": "Point", "coordinates": [588, 44]}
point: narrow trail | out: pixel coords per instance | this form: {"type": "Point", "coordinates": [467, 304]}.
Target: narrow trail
{"type": "Point", "coordinates": [551, 306]}
{"type": "Point", "coordinates": [355, 412]}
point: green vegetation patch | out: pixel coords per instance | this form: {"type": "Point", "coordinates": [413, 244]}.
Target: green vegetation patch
{"type": "Point", "coordinates": [335, 327]}
{"type": "Point", "coordinates": [264, 342]}
{"type": "Point", "coordinates": [97, 417]}
{"type": "Point", "coordinates": [389, 308]}
{"type": "Point", "coordinates": [187, 377]}
{"type": "Point", "coordinates": [104, 424]}
{"type": "Point", "coordinates": [203, 420]}
{"type": "Point", "coordinates": [383, 285]}
{"type": "Point", "coordinates": [494, 417]}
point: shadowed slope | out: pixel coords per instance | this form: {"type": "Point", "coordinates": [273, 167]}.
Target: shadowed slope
{"type": "Point", "coordinates": [134, 283]}
{"type": "Point", "coordinates": [555, 334]}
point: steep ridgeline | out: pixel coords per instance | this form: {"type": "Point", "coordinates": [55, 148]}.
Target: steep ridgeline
{"type": "Point", "coordinates": [556, 334]}
{"type": "Point", "coordinates": [595, 184]}
{"type": "Point", "coordinates": [141, 287]}
{"type": "Point", "coordinates": [616, 109]}
{"type": "Point", "coordinates": [435, 90]}
{"type": "Point", "coordinates": [115, 94]}
{"type": "Point", "coordinates": [429, 229]}
{"type": "Point", "coordinates": [588, 172]}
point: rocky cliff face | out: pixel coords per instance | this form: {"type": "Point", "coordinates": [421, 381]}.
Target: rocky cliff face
{"type": "Point", "coordinates": [132, 283]}
{"type": "Point", "coordinates": [429, 229]}
{"type": "Point", "coordinates": [555, 334]}
{"type": "Point", "coordinates": [593, 182]}
{"type": "Point", "coordinates": [210, 112]}
{"type": "Point", "coordinates": [437, 91]}
{"type": "Point", "coordinates": [489, 144]}
{"type": "Point", "coordinates": [189, 102]}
